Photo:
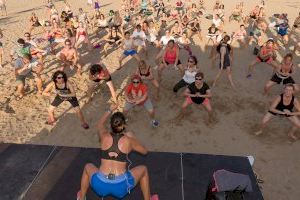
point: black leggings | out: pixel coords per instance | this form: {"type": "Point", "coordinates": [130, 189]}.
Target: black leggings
{"type": "Point", "coordinates": [179, 85]}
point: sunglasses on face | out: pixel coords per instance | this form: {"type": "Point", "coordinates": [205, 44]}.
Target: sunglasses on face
{"type": "Point", "coordinates": [198, 78]}
{"type": "Point", "coordinates": [59, 77]}
{"type": "Point", "coordinates": [135, 82]}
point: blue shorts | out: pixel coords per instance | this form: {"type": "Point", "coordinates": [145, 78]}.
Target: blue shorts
{"type": "Point", "coordinates": [282, 32]}
{"type": "Point", "coordinates": [129, 52]}
{"type": "Point", "coordinates": [118, 188]}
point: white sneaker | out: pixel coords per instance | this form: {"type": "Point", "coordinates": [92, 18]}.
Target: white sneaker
{"type": "Point", "coordinates": [155, 123]}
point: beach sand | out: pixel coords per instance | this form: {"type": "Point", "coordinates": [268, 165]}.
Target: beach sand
{"type": "Point", "coordinates": [238, 113]}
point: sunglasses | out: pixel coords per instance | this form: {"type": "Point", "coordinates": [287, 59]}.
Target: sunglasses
{"type": "Point", "coordinates": [59, 77]}
{"type": "Point", "coordinates": [135, 82]}
{"type": "Point", "coordinates": [199, 79]}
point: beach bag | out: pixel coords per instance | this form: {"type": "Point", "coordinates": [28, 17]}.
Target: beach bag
{"type": "Point", "coordinates": [226, 185]}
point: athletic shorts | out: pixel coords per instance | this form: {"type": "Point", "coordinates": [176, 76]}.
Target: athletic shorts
{"type": "Point", "coordinates": [147, 104]}
{"type": "Point", "coordinates": [226, 64]}
{"type": "Point", "coordinates": [20, 79]}
{"type": "Point", "coordinates": [58, 100]}
{"type": "Point", "coordinates": [269, 60]}
{"type": "Point", "coordinates": [275, 78]}
{"type": "Point", "coordinates": [190, 101]}
{"type": "Point", "coordinates": [178, 63]}
{"type": "Point", "coordinates": [282, 32]}
{"type": "Point", "coordinates": [130, 52]}
{"type": "Point", "coordinates": [119, 187]}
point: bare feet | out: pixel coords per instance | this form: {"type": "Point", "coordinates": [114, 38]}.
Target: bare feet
{"type": "Point", "coordinates": [293, 137]}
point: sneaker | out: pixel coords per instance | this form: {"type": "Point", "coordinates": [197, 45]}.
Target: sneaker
{"type": "Point", "coordinates": [155, 123]}
{"type": "Point", "coordinates": [85, 126]}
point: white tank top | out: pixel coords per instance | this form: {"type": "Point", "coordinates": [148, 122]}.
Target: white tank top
{"type": "Point", "coordinates": [128, 44]}
{"type": "Point", "coordinates": [189, 77]}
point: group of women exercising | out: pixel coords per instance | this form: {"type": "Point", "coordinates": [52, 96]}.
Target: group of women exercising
{"type": "Point", "coordinates": [136, 27]}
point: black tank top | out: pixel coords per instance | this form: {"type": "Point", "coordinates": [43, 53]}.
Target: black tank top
{"type": "Point", "coordinates": [283, 107]}
{"type": "Point", "coordinates": [122, 157]}
{"type": "Point", "coordinates": [227, 54]}
{"type": "Point", "coordinates": [62, 91]}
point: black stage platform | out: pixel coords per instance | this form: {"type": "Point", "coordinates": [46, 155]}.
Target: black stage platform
{"type": "Point", "coordinates": [37, 172]}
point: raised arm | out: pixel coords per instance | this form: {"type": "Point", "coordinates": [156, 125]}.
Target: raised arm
{"type": "Point", "coordinates": [101, 124]}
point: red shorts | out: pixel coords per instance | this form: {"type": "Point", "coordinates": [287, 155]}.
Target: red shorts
{"type": "Point", "coordinates": [269, 60]}
{"type": "Point", "coordinates": [190, 101]}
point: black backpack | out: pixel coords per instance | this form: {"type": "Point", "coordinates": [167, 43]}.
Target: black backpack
{"type": "Point", "coordinates": [226, 185]}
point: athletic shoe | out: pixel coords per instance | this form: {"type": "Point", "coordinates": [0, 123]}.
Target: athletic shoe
{"type": "Point", "coordinates": [155, 123]}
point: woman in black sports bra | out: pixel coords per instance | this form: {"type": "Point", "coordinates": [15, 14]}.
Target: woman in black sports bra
{"type": "Point", "coordinates": [283, 73]}
{"type": "Point", "coordinates": [113, 38]}
{"type": "Point", "coordinates": [64, 92]}
{"type": "Point", "coordinates": [113, 177]}
{"type": "Point", "coordinates": [146, 74]}
{"type": "Point", "coordinates": [284, 105]}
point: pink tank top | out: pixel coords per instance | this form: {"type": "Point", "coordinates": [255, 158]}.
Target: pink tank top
{"type": "Point", "coordinates": [171, 55]}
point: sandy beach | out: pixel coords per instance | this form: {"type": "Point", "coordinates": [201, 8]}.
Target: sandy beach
{"type": "Point", "coordinates": [238, 112]}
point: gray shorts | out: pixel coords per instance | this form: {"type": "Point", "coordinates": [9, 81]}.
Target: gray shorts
{"type": "Point", "coordinates": [20, 79]}
{"type": "Point", "coordinates": [148, 105]}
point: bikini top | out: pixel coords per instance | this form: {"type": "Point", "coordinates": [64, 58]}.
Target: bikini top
{"type": "Point", "coordinates": [145, 74]}
{"type": "Point", "coordinates": [283, 74]}
{"type": "Point", "coordinates": [121, 157]}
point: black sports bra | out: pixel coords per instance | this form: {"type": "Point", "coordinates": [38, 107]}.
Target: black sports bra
{"type": "Point", "coordinates": [145, 74]}
{"type": "Point", "coordinates": [121, 157]}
